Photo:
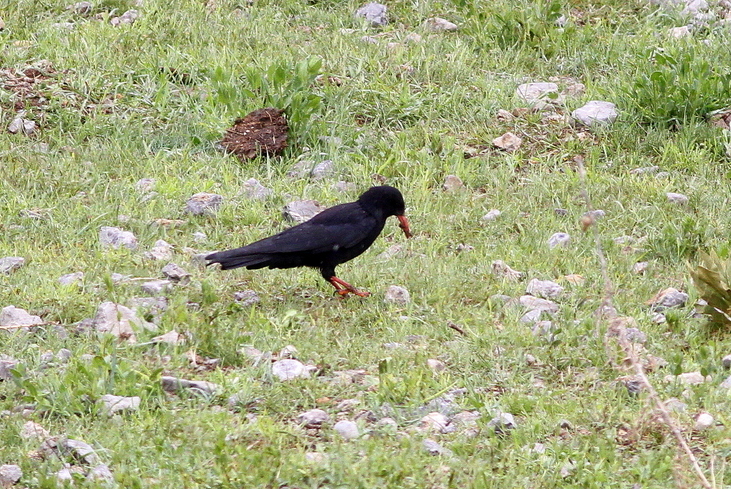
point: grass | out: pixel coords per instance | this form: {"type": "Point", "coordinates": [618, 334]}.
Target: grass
{"type": "Point", "coordinates": [113, 115]}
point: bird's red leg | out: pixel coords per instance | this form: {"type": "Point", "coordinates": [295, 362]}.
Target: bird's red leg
{"type": "Point", "coordinates": [344, 288]}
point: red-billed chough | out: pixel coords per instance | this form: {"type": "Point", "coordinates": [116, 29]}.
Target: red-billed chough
{"type": "Point", "coordinates": [332, 237]}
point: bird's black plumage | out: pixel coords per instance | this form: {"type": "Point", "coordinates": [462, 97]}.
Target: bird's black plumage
{"type": "Point", "coordinates": [332, 237]}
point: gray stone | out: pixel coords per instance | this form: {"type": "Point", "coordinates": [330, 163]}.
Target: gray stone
{"type": "Point", "coordinates": [343, 186]}
{"type": "Point", "coordinates": [117, 320]}
{"type": "Point", "coordinates": [596, 112]}
{"type": "Point", "coordinates": [65, 447]}
{"type": "Point", "coordinates": [33, 431]}
{"type": "Point", "coordinates": [161, 251]}
{"type": "Point", "coordinates": [154, 306]}
{"type": "Point", "coordinates": [670, 297]}
{"type": "Point", "coordinates": [397, 295]}
{"type": "Point", "coordinates": [559, 240]}
{"type": "Point", "coordinates": [544, 288]}
{"type": "Point", "coordinates": [117, 404]}
{"type": "Point", "coordinates": [145, 184]}
{"type": "Point", "coordinates": [491, 215]}
{"type": "Point", "coordinates": [435, 421]}
{"type": "Point", "coordinates": [253, 189]}
{"type": "Point", "coordinates": [726, 361]}
{"type": "Point", "coordinates": [726, 384]}
{"type": "Point", "coordinates": [247, 298]}
{"type": "Point", "coordinates": [502, 423]}
{"type": "Point", "coordinates": [81, 8]}
{"type": "Point", "coordinates": [543, 328]}
{"type": "Point", "coordinates": [10, 264]}
{"type": "Point", "coordinates": [688, 378]}
{"type": "Point", "coordinates": [679, 32]}
{"type": "Point", "coordinates": [9, 475]}
{"type": "Point", "coordinates": [532, 303]}
{"type": "Point", "coordinates": [175, 385]}
{"type": "Point", "coordinates": [645, 170]}
{"type": "Point", "coordinates": [677, 198]}
{"type": "Point", "coordinates": [640, 267]}
{"type": "Point", "coordinates": [203, 204]}
{"type": "Point", "coordinates": [436, 365]}
{"type": "Point", "coordinates": [500, 269]}
{"type": "Point", "coordinates": [373, 12]}
{"type": "Point", "coordinates": [437, 24]}
{"type": "Point", "coordinates": [156, 287]}
{"type": "Point", "coordinates": [676, 405]}
{"type": "Point", "coordinates": [434, 448]}
{"type": "Point", "coordinates": [71, 278]}
{"type": "Point", "coordinates": [289, 369]}
{"type": "Point", "coordinates": [100, 473]}
{"type": "Point", "coordinates": [452, 183]}
{"type": "Point", "coordinates": [176, 273]}
{"type": "Point", "coordinates": [635, 335]}
{"type": "Point", "coordinates": [22, 125]}
{"type": "Point", "coordinates": [347, 429]}
{"type": "Point", "coordinates": [172, 337]}
{"type": "Point", "coordinates": [114, 237]}
{"type": "Point", "coordinates": [7, 363]}
{"type": "Point", "coordinates": [561, 212]}
{"type": "Point", "coordinates": [199, 236]}
{"type": "Point", "coordinates": [508, 142]}
{"type": "Point", "coordinates": [369, 40]}
{"type": "Point", "coordinates": [13, 316]}
{"type": "Point", "coordinates": [537, 93]}
{"type": "Point", "coordinates": [129, 17]}
{"type": "Point", "coordinates": [313, 418]}
{"type": "Point", "coordinates": [703, 421]}
{"type": "Point", "coordinates": [300, 211]}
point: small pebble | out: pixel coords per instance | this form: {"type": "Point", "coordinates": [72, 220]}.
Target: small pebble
{"type": "Point", "coordinates": [10, 264]}
{"type": "Point", "coordinates": [247, 298]}
{"type": "Point", "coordinates": [703, 421]}
{"type": "Point", "coordinates": [300, 211]}
{"type": "Point", "coordinates": [114, 237]}
{"type": "Point", "coordinates": [347, 429]}
{"type": "Point", "coordinates": [677, 198]}
{"type": "Point", "coordinates": [491, 215]}
{"type": "Point", "coordinates": [253, 189]}
{"type": "Point", "coordinates": [544, 288]}
{"type": "Point", "coordinates": [374, 13]}
{"type": "Point", "coordinates": [203, 203]}
{"type": "Point", "coordinates": [436, 365]}
{"type": "Point", "coordinates": [289, 369]}
{"type": "Point", "coordinates": [437, 24]}
{"type": "Point", "coordinates": [596, 112]}
{"type": "Point", "coordinates": [640, 267]}
{"type": "Point", "coordinates": [508, 142]}
{"type": "Point", "coordinates": [452, 183]}
{"type": "Point", "coordinates": [313, 418]}
{"type": "Point", "coordinates": [397, 295]}
{"type": "Point", "coordinates": [434, 448]}
{"type": "Point", "coordinates": [10, 475]}
{"type": "Point", "coordinates": [156, 287]}
{"type": "Point", "coordinates": [502, 423]}
{"type": "Point", "coordinates": [726, 361]}
{"type": "Point", "coordinates": [560, 240]}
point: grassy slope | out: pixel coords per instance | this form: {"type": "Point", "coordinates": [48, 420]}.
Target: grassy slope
{"type": "Point", "coordinates": [415, 126]}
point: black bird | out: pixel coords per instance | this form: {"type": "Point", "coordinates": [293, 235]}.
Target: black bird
{"type": "Point", "coordinates": [332, 237]}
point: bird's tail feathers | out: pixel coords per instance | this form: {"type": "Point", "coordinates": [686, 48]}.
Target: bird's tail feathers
{"type": "Point", "coordinates": [236, 258]}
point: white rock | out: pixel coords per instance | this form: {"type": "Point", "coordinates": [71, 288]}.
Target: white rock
{"type": "Point", "coordinates": [436, 365]}
{"type": "Point", "coordinates": [437, 24]}
{"type": "Point", "coordinates": [117, 404]}
{"type": "Point", "coordinates": [688, 378]}
{"type": "Point", "coordinates": [300, 211]}
{"type": "Point", "coordinates": [289, 369]}
{"type": "Point", "coordinates": [491, 215]}
{"type": "Point", "coordinates": [412, 38]}
{"type": "Point", "coordinates": [101, 472]}
{"type": "Point", "coordinates": [596, 112]}
{"type": "Point", "coordinates": [434, 448]}
{"type": "Point", "coordinates": [21, 125]}
{"type": "Point", "coordinates": [13, 316]}
{"type": "Point", "coordinates": [397, 295]}
{"type": "Point", "coordinates": [33, 431]}
{"type": "Point", "coordinates": [117, 320]}
{"type": "Point", "coordinates": [536, 93]}
{"type": "Point", "coordinates": [126, 18]}
{"type": "Point", "coordinates": [726, 384]}
{"type": "Point", "coordinates": [313, 418]}
{"type": "Point", "coordinates": [503, 422]}
{"type": "Point", "coordinates": [560, 240]}
{"type": "Point", "coordinates": [171, 338]}
{"type": "Point", "coordinates": [532, 303]}
{"type": "Point", "coordinates": [670, 297]}
{"type": "Point", "coordinates": [544, 288]}
{"type": "Point", "coordinates": [508, 142]}
{"type": "Point", "coordinates": [452, 183]}
{"type": "Point", "coordinates": [175, 273]}
{"type": "Point", "coordinates": [694, 7]}
{"type": "Point", "coordinates": [645, 170]}
{"type": "Point", "coordinates": [640, 267]}
{"type": "Point", "coordinates": [114, 237]}
{"type": "Point", "coordinates": [677, 198]}
{"type": "Point", "coordinates": [9, 475]}
{"type": "Point", "coordinates": [500, 269]}
{"type": "Point", "coordinates": [174, 384]}
{"type": "Point", "coordinates": [199, 236]}
{"type": "Point", "coordinates": [10, 264]}
{"type": "Point", "coordinates": [203, 203]}
{"type": "Point", "coordinates": [145, 184]}
{"type": "Point", "coordinates": [373, 12]}
{"type": "Point", "coordinates": [679, 32]}
{"type": "Point", "coordinates": [71, 278]}
{"type": "Point", "coordinates": [308, 169]}
{"type": "Point", "coordinates": [434, 422]}
{"type": "Point", "coordinates": [156, 287]}
{"type": "Point", "coordinates": [315, 457]}
{"type": "Point", "coordinates": [704, 421]}
{"type": "Point", "coordinates": [347, 429]}
{"type": "Point", "coordinates": [253, 189]}
{"type": "Point", "coordinates": [161, 251]}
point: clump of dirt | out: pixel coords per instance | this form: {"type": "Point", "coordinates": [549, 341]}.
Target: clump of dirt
{"type": "Point", "coordinates": [27, 85]}
{"type": "Point", "coordinates": [262, 132]}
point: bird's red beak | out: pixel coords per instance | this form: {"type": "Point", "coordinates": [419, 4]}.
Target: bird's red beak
{"type": "Point", "coordinates": [404, 226]}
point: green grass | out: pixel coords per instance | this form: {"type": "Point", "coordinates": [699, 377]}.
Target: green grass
{"type": "Point", "coordinates": [113, 116]}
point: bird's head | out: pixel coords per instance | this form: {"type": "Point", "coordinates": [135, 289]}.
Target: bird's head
{"type": "Point", "coordinates": [387, 201]}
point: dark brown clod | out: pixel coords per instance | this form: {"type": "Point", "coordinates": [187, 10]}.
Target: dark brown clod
{"type": "Point", "coordinates": [262, 132]}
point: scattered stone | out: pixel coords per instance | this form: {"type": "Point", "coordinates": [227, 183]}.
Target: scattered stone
{"type": "Point", "coordinates": [66, 447]}
{"type": "Point", "coordinates": [452, 183]}
{"type": "Point", "coordinates": [412, 38]}
{"type": "Point", "coordinates": [154, 306]}
{"type": "Point", "coordinates": [199, 236]}
{"type": "Point", "coordinates": [313, 418]}
{"type": "Point", "coordinates": [726, 384]}
{"type": "Point", "coordinates": [532, 303]}
{"type": "Point", "coordinates": [203, 204]}
{"type": "Point", "coordinates": [437, 24]}
{"type": "Point", "coordinates": [434, 448]}
{"type": "Point", "coordinates": [667, 298]}
{"type": "Point", "coordinates": [635, 335]}
{"type": "Point", "coordinates": [502, 423]}
{"type": "Point", "coordinates": [253, 189]}
{"type": "Point", "coordinates": [288, 351]}
{"type": "Point", "coordinates": [10, 264]}
{"type": "Point", "coordinates": [9, 475]}
{"type": "Point", "coordinates": [369, 40]}
{"type": "Point", "coordinates": [397, 295]}
{"type": "Point", "coordinates": [726, 361]}
{"type": "Point", "coordinates": [436, 365]}
{"type": "Point", "coordinates": [13, 316]}
{"type": "Point", "coordinates": [679, 32]}
{"type": "Point", "coordinates": [500, 269]}
{"type": "Point", "coordinates": [300, 211]}
{"type": "Point", "coordinates": [128, 17]}
{"type": "Point", "coordinates": [640, 268]}
{"type": "Point", "coordinates": [71, 278]}
{"type": "Point", "coordinates": [6, 365]}
{"type": "Point", "coordinates": [117, 404]}
{"type": "Point", "coordinates": [559, 240]}
{"type": "Point", "coordinates": [568, 469]}
{"type": "Point", "coordinates": [658, 318]}
{"type": "Point", "coordinates": [676, 405]}
{"type": "Point", "coordinates": [289, 369]}
{"type": "Point", "coordinates": [595, 113]}
{"type": "Point", "coordinates": [176, 273]}
{"type": "Point", "coordinates": [171, 338]}
{"type": "Point", "coordinates": [174, 385]}
{"type": "Point", "coordinates": [508, 142]}
{"type": "Point", "coordinates": [544, 288]}
{"type": "Point", "coordinates": [373, 12]}
{"type": "Point", "coordinates": [308, 169]}
{"type": "Point", "coordinates": [703, 421]}
{"type": "Point", "coordinates": [161, 251]}
{"type": "Point", "coordinates": [491, 215]}
{"type": "Point", "coordinates": [156, 287]}
{"type": "Point", "coordinates": [80, 8]}
{"type": "Point", "coordinates": [574, 279]}
{"type": "Point", "coordinates": [22, 125]}
{"type": "Point", "coordinates": [246, 298]}
{"type": "Point", "coordinates": [538, 94]}
{"type": "Point", "coordinates": [145, 184]}
{"type": "Point", "coordinates": [561, 212]}
{"type": "Point", "coordinates": [114, 237]}
{"type": "Point", "coordinates": [542, 328]}
{"type": "Point", "coordinates": [434, 422]}
{"type": "Point", "coordinates": [688, 378]}
{"type": "Point", "coordinates": [347, 429]}
{"type": "Point", "coordinates": [343, 186]}
{"type": "Point", "coordinates": [100, 473]}
{"type": "Point", "coordinates": [117, 320]}
{"type": "Point", "coordinates": [677, 198]}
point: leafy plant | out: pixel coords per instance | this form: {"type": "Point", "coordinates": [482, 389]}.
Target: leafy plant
{"type": "Point", "coordinates": [676, 86]}
{"type": "Point", "coordinates": [713, 280]}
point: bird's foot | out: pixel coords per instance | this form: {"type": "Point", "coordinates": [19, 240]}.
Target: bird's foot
{"type": "Point", "coordinates": [343, 288]}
